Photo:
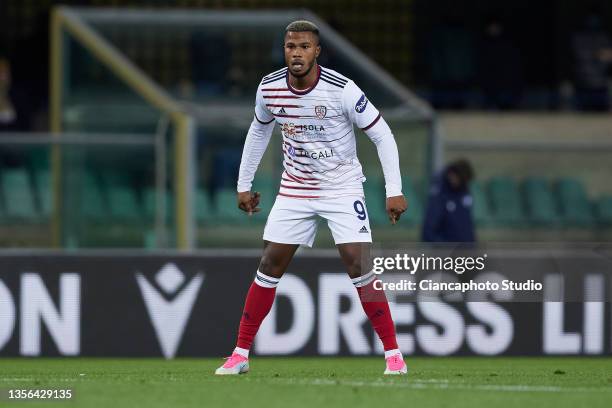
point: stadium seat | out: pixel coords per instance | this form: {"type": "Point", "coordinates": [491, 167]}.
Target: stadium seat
{"type": "Point", "coordinates": [19, 202]}
{"type": "Point", "coordinates": [539, 202]}
{"type": "Point", "coordinates": [374, 189]}
{"type": "Point", "coordinates": [203, 210]}
{"type": "Point", "coordinates": [481, 210]}
{"type": "Point", "coordinates": [268, 188]}
{"type": "Point", "coordinates": [414, 214]}
{"type": "Point", "coordinates": [44, 192]}
{"type": "Point", "coordinates": [122, 199]}
{"type": "Point", "coordinates": [149, 200]}
{"type": "Point", "coordinates": [505, 202]}
{"type": "Point", "coordinates": [576, 210]}
{"type": "Point", "coordinates": [92, 204]}
{"type": "Point", "coordinates": [604, 210]}
{"type": "Point", "coordinates": [226, 208]}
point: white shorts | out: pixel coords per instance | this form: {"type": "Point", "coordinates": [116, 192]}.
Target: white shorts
{"type": "Point", "coordinates": [294, 220]}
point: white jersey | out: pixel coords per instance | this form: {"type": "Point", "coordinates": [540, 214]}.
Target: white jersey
{"type": "Point", "coordinates": [318, 142]}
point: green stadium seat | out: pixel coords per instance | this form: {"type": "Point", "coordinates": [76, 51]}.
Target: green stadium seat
{"type": "Point", "coordinates": [122, 199]}
{"type": "Point", "coordinates": [92, 204]}
{"type": "Point", "coordinates": [374, 189]}
{"type": "Point", "coordinates": [576, 210]}
{"type": "Point", "coordinates": [149, 200]}
{"type": "Point", "coordinates": [226, 207]}
{"type": "Point", "coordinates": [505, 202]}
{"type": "Point", "coordinates": [149, 204]}
{"type": "Point", "coordinates": [540, 205]}
{"type": "Point", "coordinates": [19, 202]}
{"type": "Point", "coordinates": [44, 192]}
{"type": "Point", "coordinates": [203, 210]}
{"type": "Point", "coordinates": [268, 189]}
{"type": "Point", "coordinates": [604, 210]}
{"type": "Point", "coordinates": [481, 209]}
{"type": "Point", "coordinates": [414, 214]}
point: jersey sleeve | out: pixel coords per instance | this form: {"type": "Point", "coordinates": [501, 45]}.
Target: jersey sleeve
{"type": "Point", "coordinates": [358, 108]}
{"type": "Point", "coordinates": [262, 113]}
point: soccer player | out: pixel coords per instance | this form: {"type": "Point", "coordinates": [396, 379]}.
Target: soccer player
{"type": "Point", "coordinates": [315, 108]}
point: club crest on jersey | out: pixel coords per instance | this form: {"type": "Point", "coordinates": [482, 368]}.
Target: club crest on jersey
{"type": "Point", "coordinates": [291, 151]}
{"type": "Point", "coordinates": [320, 111]}
{"type": "Point", "coordinates": [361, 104]}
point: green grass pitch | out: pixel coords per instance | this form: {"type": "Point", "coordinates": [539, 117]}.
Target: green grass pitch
{"type": "Point", "coordinates": [316, 382]}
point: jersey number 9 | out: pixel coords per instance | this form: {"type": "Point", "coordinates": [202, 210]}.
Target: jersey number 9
{"type": "Point", "coordinates": [360, 210]}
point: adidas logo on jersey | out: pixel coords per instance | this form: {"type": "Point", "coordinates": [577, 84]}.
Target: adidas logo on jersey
{"type": "Point", "coordinates": [363, 230]}
{"type": "Point", "coordinates": [282, 111]}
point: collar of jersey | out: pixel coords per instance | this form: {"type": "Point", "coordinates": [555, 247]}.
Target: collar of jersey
{"type": "Point", "coordinates": [307, 90]}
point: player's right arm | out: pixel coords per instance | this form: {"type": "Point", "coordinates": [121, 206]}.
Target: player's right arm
{"type": "Point", "coordinates": [255, 145]}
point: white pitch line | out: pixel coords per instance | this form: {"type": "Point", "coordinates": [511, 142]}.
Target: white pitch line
{"type": "Point", "coordinates": [444, 385]}
{"type": "Point", "coordinates": [30, 379]}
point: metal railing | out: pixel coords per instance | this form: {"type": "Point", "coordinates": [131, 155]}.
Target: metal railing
{"type": "Point", "coordinates": [65, 18]}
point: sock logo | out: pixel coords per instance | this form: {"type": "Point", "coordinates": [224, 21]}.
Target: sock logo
{"type": "Point", "coordinates": [170, 308]}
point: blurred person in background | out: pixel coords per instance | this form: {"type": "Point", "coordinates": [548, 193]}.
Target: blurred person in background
{"type": "Point", "coordinates": [448, 217]}
{"type": "Point", "coordinates": [500, 67]}
{"type": "Point", "coordinates": [592, 56]}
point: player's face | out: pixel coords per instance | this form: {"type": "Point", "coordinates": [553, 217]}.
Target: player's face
{"type": "Point", "coordinates": [301, 52]}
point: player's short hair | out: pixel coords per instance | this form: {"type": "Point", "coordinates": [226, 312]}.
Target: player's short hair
{"type": "Point", "coordinates": [301, 26]}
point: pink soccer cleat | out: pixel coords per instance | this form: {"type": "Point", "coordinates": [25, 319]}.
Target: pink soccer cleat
{"type": "Point", "coordinates": [395, 365]}
{"type": "Point", "coordinates": [234, 365]}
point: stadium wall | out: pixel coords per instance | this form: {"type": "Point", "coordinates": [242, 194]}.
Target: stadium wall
{"type": "Point", "coordinates": [175, 305]}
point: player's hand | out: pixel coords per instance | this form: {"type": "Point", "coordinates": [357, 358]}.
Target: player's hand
{"type": "Point", "coordinates": [248, 202]}
{"type": "Point", "coordinates": [395, 207]}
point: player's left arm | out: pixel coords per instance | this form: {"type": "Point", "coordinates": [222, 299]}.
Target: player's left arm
{"type": "Point", "coordinates": [381, 135]}
{"type": "Point", "coordinates": [365, 115]}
